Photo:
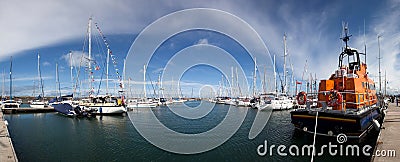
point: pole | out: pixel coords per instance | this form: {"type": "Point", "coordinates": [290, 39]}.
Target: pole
{"type": "Point", "coordinates": [385, 84]}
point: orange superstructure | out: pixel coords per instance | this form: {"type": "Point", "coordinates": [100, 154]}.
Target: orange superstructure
{"type": "Point", "coordinates": [349, 84]}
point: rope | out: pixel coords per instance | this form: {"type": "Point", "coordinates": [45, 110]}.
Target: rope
{"type": "Point", "coordinates": [315, 134]}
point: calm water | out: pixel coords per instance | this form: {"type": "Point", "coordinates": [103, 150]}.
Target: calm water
{"type": "Point", "coordinates": [52, 137]}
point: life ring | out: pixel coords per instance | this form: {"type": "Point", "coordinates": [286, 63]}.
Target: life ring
{"type": "Point", "coordinates": [301, 98]}
{"type": "Point", "coordinates": [334, 98]}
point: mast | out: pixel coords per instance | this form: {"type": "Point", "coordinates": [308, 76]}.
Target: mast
{"type": "Point", "coordinates": [222, 85]}
{"type": "Point", "coordinates": [40, 77]}
{"type": "Point", "coordinates": [108, 60]}
{"type": "Point", "coordinates": [2, 87]}
{"type": "Point", "coordinates": [90, 55]}
{"type": "Point", "coordinates": [71, 69]}
{"type": "Point", "coordinates": [275, 83]}
{"type": "Point", "coordinates": [231, 82]}
{"type": "Point", "coordinates": [254, 77]}
{"type": "Point", "coordinates": [237, 83]}
{"type": "Point", "coordinates": [123, 78]}
{"type": "Point", "coordinates": [58, 81]}
{"type": "Point", "coordinates": [159, 85]}
{"type": "Point", "coordinates": [220, 88]}
{"type": "Point", "coordinates": [144, 80]}
{"type": "Point", "coordinates": [129, 86]}
{"type": "Point", "coordinates": [11, 78]}
{"type": "Point", "coordinates": [379, 66]}
{"type": "Point", "coordinates": [264, 80]}
{"type": "Point", "coordinates": [284, 64]}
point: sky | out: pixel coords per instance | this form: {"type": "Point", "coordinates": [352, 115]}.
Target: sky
{"type": "Point", "coordinates": [313, 28]}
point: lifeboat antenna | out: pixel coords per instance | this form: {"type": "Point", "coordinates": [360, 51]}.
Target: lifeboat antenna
{"type": "Point", "coordinates": [365, 47]}
{"type": "Point", "coordinates": [346, 37]}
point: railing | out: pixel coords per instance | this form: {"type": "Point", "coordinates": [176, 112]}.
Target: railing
{"type": "Point", "coordinates": [324, 105]}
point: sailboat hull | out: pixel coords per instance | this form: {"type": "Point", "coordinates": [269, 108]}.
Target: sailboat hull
{"type": "Point", "coordinates": [108, 110]}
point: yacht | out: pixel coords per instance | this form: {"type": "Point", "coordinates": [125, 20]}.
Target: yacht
{"type": "Point", "coordinates": [104, 105]}
{"type": "Point", "coordinates": [274, 101]}
{"type": "Point", "coordinates": [10, 104]}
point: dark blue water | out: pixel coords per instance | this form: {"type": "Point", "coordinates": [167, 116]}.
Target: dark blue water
{"type": "Point", "coordinates": [52, 137]}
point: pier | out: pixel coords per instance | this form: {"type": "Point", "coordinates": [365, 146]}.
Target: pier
{"type": "Point", "coordinates": [27, 110]}
{"type": "Point", "coordinates": [389, 138]}
{"type": "Point", "coordinates": [7, 152]}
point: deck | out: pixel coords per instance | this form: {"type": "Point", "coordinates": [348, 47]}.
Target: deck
{"type": "Point", "coordinates": [389, 138]}
{"type": "Point", "coordinates": [7, 152]}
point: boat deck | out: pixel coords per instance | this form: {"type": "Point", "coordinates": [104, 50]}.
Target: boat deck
{"type": "Point", "coordinates": [7, 152]}
{"type": "Point", "coordinates": [389, 138]}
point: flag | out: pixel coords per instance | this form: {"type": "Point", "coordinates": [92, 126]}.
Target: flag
{"type": "Point", "coordinates": [297, 82]}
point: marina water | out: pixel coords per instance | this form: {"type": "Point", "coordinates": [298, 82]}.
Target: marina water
{"type": "Point", "coordinates": [52, 137]}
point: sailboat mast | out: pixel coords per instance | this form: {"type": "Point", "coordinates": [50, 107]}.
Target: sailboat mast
{"type": "Point", "coordinates": [254, 77]}
{"type": "Point", "coordinates": [11, 78]}
{"type": "Point", "coordinates": [231, 82]}
{"type": "Point", "coordinates": [123, 77]}
{"type": "Point", "coordinates": [2, 87]}
{"type": "Point", "coordinates": [90, 54]}
{"type": "Point", "coordinates": [108, 60]}
{"type": "Point", "coordinates": [284, 64]}
{"type": "Point", "coordinates": [144, 80]}
{"type": "Point", "coordinates": [71, 69]}
{"type": "Point", "coordinates": [264, 80]}
{"type": "Point", "coordinates": [56, 79]}
{"type": "Point", "coordinates": [275, 83]}
{"type": "Point", "coordinates": [237, 83]}
{"type": "Point", "coordinates": [159, 85]}
{"type": "Point", "coordinates": [40, 77]}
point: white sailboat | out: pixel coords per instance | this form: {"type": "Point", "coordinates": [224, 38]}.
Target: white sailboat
{"type": "Point", "coordinates": [106, 104]}
{"type": "Point", "coordinates": [143, 102]}
{"type": "Point", "coordinates": [39, 102]}
{"type": "Point", "coordinates": [275, 100]}
{"type": "Point", "coordinates": [10, 103]}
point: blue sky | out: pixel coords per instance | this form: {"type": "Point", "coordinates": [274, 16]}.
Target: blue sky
{"type": "Point", "coordinates": [313, 28]}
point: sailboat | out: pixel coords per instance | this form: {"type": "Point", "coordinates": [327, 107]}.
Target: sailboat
{"type": "Point", "coordinates": [275, 100]}
{"type": "Point", "coordinates": [39, 102]}
{"type": "Point", "coordinates": [142, 102]}
{"type": "Point", "coordinates": [99, 104]}
{"type": "Point", "coordinates": [10, 103]}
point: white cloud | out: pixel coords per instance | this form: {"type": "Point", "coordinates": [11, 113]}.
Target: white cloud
{"type": "Point", "coordinates": [76, 59]}
{"type": "Point", "coordinates": [46, 63]}
{"type": "Point", "coordinates": [202, 41]}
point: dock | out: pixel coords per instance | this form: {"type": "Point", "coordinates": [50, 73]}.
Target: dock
{"type": "Point", "coordinates": [27, 110]}
{"type": "Point", "coordinates": [7, 152]}
{"type": "Point", "coordinates": [389, 137]}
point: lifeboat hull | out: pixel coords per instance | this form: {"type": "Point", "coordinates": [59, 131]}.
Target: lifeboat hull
{"type": "Point", "coordinates": [332, 122]}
